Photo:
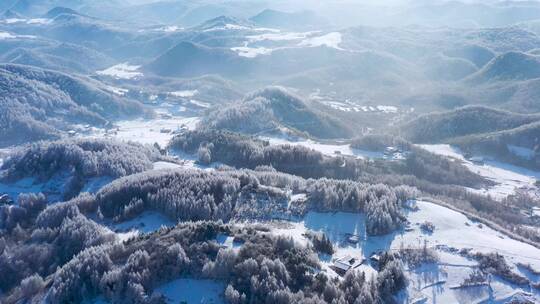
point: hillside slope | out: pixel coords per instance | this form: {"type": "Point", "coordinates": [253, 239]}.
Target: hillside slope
{"type": "Point", "coordinates": [520, 146]}
{"type": "Point", "coordinates": [275, 108]}
{"type": "Point", "coordinates": [190, 59]}
{"type": "Point", "coordinates": [38, 104]}
{"type": "Point", "coordinates": [509, 66]}
{"type": "Point", "coordinates": [438, 127]}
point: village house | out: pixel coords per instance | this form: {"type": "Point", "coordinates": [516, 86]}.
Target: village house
{"type": "Point", "coordinates": [346, 263]}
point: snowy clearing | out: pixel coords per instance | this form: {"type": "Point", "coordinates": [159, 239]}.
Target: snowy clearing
{"type": "Point", "coordinates": [39, 21]}
{"type": "Point", "coordinates": [170, 29]}
{"type": "Point", "coordinates": [331, 40]}
{"type": "Point", "coordinates": [146, 222]}
{"type": "Point", "coordinates": [184, 93]}
{"type": "Point", "coordinates": [161, 165]}
{"type": "Point", "coordinates": [507, 177]}
{"type": "Point", "coordinates": [286, 40]}
{"type": "Point", "coordinates": [348, 107]}
{"type": "Point", "coordinates": [53, 188]}
{"type": "Point", "coordinates": [192, 291]}
{"type": "Point", "coordinates": [150, 131]}
{"type": "Point", "coordinates": [122, 71]}
{"type": "Point", "coordinates": [326, 149]}
{"type": "Point", "coordinates": [279, 36]}
{"type": "Point", "coordinates": [227, 27]}
{"type": "Point", "coordinates": [251, 52]}
{"type": "Point", "coordinates": [480, 238]}
{"type": "Point", "coordinates": [6, 35]}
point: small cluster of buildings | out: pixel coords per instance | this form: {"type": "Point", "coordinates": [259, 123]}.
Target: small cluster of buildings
{"type": "Point", "coordinates": [343, 264]}
{"type": "Point", "coordinates": [346, 263]}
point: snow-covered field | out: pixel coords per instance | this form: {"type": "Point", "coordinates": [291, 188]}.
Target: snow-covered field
{"type": "Point", "coordinates": [228, 27]}
{"type": "Point", "coordinates": [170, 29]}
{"type": "Point", "coordinates": [279, 36]}
{"type": "Point", "coordinates": [6, 35]}
{"type": "Point", "coordinates": [52, 188]}
{"type": "Point", "coordinates": [251, 52]}
{"type": "Point", "coordinates": [25, 185]}
{"type": "Point", "coordinates": [148, 221]}
{"type": "Point", "coordinates": [507, 177]}
{"type": "Point", "coordinates": [331, 40]}
{"type": "Point", "coordinates": [184, 93]}
{"type": "Point", "coordinates": [148, 131]}
{"type": "Point", "coordinates": [192, 291]}
{"type": "Point", "coordinates": [347, 105]}
{"type": "Point", "coordinates": [122, 71]}
{"type": "Point", "coordinates": [430, 282]}
{"type": "Point", "coordinates": [326, 149]}
{"type": "Point", "coordinates": [272, 40]}
{"type": "Point", "coordinates": [27, 21]}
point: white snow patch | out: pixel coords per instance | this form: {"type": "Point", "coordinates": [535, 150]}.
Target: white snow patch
{"type": "Point", "coordinates": [184, 93]}
{"type": "Point", "coordinates": [116, 90]}
{"type": "Point", "coordinates": [149, 131]}
{"type": "Point", "coordinates": [200, 103]}
{"type": "Point", "coordinates": [14, 20]}
{"type": "Point", "coordinates": [6, 35]}
{"type": "Point", "coordinates": [387, 109]}
{"type": "Point", "coordinates": [194, 291]}
{"type": "Point", "coordinates": [327, 149]}
{"type": "Point", "coordinates": [40, 21]}
{"type": "Point", "coordinates": [276, 36]}
{"type": "Point", "coordinates": [235, 27]}
{"type": "Point", "coordinates": [146, 222]}
{"type": "Point", "coordinates": [122, 71]}
{"type": "Point", "coordinates": [53, 188]}
{"type": "Point", "coordinates": [331, 40]}
{"type": "Point", "coordinates": [450, 228]}
{"type": "Point", "coordinates": [25, 185]}
{"type": "Point", "coordinates": [170, 29]}
{"type": "Point", "coordinates": [251, 52]}
{"type": "Point", "coordinates": [227, 27]}
{"type": "Point", "coordinates": [507, 177]}
{"type": "Point", "coordinates": [162, 165]}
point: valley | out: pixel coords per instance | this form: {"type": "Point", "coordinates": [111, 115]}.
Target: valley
{"type": "Point", "coordinates": [269, 152]}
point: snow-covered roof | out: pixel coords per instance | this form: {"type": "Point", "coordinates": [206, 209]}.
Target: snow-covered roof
{"type": "Point", "coordinates": [342, 265]}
